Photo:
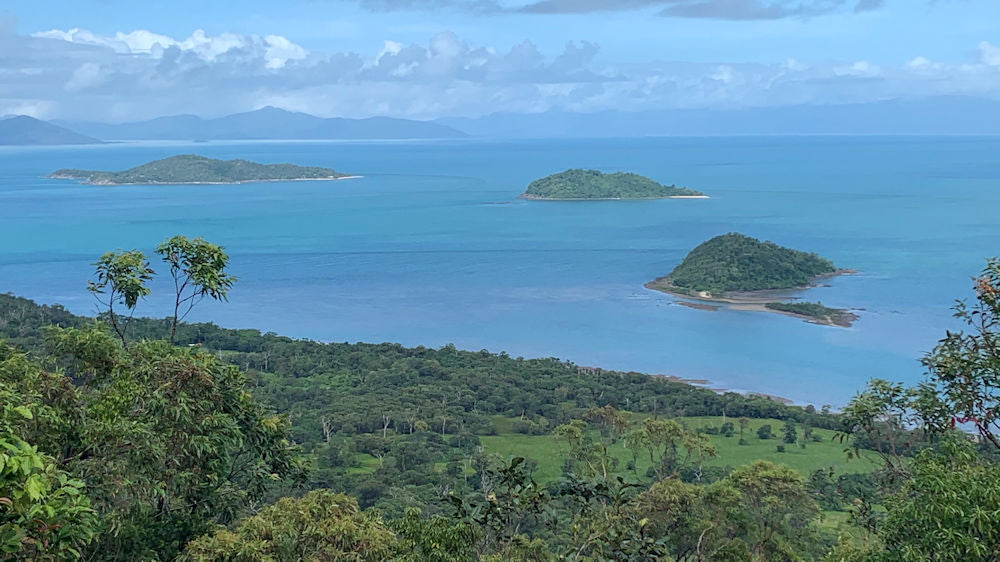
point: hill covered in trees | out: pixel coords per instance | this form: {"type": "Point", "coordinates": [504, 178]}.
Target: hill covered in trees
{"type": "Point", "coordinates": [126, 438]}
{"type": "Point", "coordinates": [592, 184]}
{"type": "Point", "coordinates": [735, 262]}
{"type": "Point", "coordinates": [192, 168]}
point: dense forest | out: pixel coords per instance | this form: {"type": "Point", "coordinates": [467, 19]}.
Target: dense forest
{"type": "Point", "coordinates": [736, 262]}
{"type": "Point", "coordinates": [192, 168]}
{"type": "Point", "coordinates": [125, 438]}
{"type": "Point", "coordinates": [592, 184]}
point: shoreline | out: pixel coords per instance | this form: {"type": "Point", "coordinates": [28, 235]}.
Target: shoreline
{"type": "Point", "coordinates": [757, 301]}
{"type": "Point", "coordinates": [88, 182]}
{"type": "Point", "coordinates": [527, 197]}
{"type": "Point", "coordinates": [701, 383]}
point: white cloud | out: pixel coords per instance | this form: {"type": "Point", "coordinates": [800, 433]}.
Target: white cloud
{"type": "Point", "coordinates": [860, 69]}
{"type": "Point", "coordinates": [77, 74]}
{"type": "Point", "coordinates": [277, 50]}
{"type": "Point", "coordinates": [85, 76]}
{"type": "Point", "coordinates": [989, 54]}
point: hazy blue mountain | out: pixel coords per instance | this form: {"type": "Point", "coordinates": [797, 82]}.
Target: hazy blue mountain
{"type": "Point", "coordinates": [24, 130]}
{"type": "Point", "coordinates": [268, 123]}
{"type": "Point", "coordinates": [939, 115]}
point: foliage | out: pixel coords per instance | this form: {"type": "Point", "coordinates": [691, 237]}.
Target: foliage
{"type": "Point", "coordinates": [318, 527]}
{"type": "Point", "coordinates": [168, 440]}
{"type": "Point", "coordinates": [813, 310]}
{"type": "Point", "coordinates": [947, 506]}
{"type": "Point", "coordinates": [965, 367]}
{"type": "Point", "coordinates": [948, 510]}
{"type": "Point", "coordinates": [592, 184]}
{"type": "Point", "coordinates": [192, 168]}
{"type": "Point", "coordinates": [790, 435]}
{"type": "Point", "coordinates": [764, 432]}
{"type": "Point", "coordinates": [735, 262]}
{"type": "Point", "coordinates": [44, 512]}
{"type": "Point", "coordinates": [198, 270]}
{"type": "Point", "coordinates": [120, 279]}
{"type": "Point", "coordinates": [762, 511]}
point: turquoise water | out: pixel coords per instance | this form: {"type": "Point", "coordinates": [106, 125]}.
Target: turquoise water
{"type": "Point", "coordinates": [432, 247]}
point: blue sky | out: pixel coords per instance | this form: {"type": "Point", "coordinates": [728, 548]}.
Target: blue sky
{"type": "Point", "coordinates": [121, 60]}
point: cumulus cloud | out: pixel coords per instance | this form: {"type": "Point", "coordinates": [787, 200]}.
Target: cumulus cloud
{"type": "Point", "coordinates": [276, 50]}
{"type": "Point", "coordinates": [140, 74]}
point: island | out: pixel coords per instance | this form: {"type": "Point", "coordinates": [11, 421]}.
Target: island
{"type": "Point", "coordinates": [814, 312]}
{"type": "Point", "coordinates": [590, 185]}
{"type": "Point", "coordinates": [748, 274]}
{"type": "Point", "coordinates": [195, 169]}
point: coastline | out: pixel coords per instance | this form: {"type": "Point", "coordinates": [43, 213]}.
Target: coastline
{"type": "Point", "coordinates": [701, 383]}
{"type": "Point", "coordinates": [756, 301]}
{"type": "Point", "coordinates": [88, 182]}
{"type": "Point", "coordinates": [527, 197]}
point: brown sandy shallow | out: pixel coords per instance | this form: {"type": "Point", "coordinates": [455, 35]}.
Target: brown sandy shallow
{"type": "Point", "coordinates": [755, 300]}
{"type": "Point", "coordinates": [537, 198]}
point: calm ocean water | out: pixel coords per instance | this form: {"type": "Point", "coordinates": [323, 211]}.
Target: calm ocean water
{"type": "Point", "coordinates": [432, 247]}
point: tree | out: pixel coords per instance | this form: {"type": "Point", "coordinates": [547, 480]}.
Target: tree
{"type": "Point", "coordinates": [508, 501]}
{"type": "Point", "coordinates": [791, 436]}
{"type": "Point", "coordinates": [781, 511]}
{"type": "Point", "coordinates": [948, 510]}
{"type": "Point", "coordinates": [198, 270]}
{"type": "Point", "coordinates": [947, 506]}
{"type": "Point", "coordinates": [120, 278]}
{"type": "Point", "coordinates": [319, 527]}
{"type": "Point", "coordinates": [435, 539]}
{"type": "Point", "coordinates": [591, 457]}
{"type": "Point", "coordinates": [764, 431]}
{"type": "Point", "coordinates": [168, 439]}
{"type": "Point", "coordinates": [696, 522]}
{"type": "Point", "coordinates": [44, 512]}
{"type": "Point", "coordinates": [964, 368]}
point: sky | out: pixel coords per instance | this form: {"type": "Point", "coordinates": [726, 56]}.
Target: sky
{"type": "Point", "coordinates": [117, 60]}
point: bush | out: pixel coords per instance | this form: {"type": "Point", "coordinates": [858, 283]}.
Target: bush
{"type": "Point", "coordinates": [765, 432]}
{"type": "Point", "coordinates": [728, 429]}
{"type": "Point", "coordinates": [781, 448]}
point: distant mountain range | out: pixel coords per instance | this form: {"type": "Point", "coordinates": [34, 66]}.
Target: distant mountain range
{"type": "Point", "coordinates": [269, 123]}
{"type": "Point", "coordinates": [930, 116]}
{"type": "Point", "coordinates": [23, 130]}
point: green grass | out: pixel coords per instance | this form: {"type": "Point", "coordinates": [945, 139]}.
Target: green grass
{"type": "Point", "coordinates": [549, 454]}
{"type": "Point", "coordinates": [369, 464]}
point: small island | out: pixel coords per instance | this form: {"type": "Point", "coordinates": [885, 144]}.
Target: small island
{"type": "Point", "coordinates": [592, 185]}
{"type": "Point", "coordinates": [814, 312]}
{"type": "Point", "coordinates": [195, 169]}
{"type": "Point", "coordinates": [748, 274]}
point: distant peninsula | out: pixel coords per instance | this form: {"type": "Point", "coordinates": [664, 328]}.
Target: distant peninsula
{"type": "Point", "coordinates": [194, 169]}
{"type": "Point", "coordinates": [748, 274]}
{"type": "Point", "coordinates": [587, 185]}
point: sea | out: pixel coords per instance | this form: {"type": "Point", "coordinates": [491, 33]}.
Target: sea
{"type": "Point", "coordinates": [432, 246]}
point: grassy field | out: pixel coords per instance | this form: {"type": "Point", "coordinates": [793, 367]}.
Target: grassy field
{"type": "Point", "coordinates": [549, 454]}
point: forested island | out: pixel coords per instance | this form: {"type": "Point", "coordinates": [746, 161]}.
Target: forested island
{"type": "Point", "coordinates": [195, 169]}
{"type": "Point", "coordinates": [577, 184]}
{"type": "Point", "coordinates": [750, 274]}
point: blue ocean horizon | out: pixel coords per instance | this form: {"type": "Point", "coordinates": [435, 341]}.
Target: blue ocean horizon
{"type": "Point", "coordinates": [431, 246]}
